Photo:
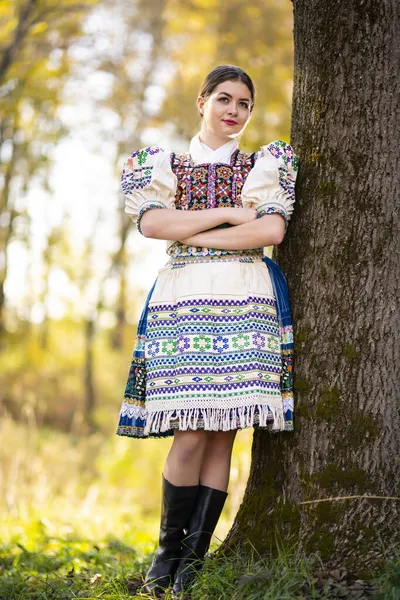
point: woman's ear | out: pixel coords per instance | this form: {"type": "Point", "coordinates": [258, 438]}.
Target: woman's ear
{"type": "Point", "coordinates": [200, 105]}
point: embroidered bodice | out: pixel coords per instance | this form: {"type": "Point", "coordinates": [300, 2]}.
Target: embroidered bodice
{"type": "Point", "coordinates": [263, 180]}
{"type": "Point", "coordinates": [210, 185]}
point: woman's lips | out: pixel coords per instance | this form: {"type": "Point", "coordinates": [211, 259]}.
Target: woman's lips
{"type": "Point", "coordinates": [229, 122]}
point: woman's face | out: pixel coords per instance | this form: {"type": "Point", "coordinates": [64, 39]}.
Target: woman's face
{"type": "Point", "coordinates": [226, 111]}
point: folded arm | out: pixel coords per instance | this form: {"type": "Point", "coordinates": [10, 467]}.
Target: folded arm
{"type": "Point", "coordinates": [268, 230]}
{"type": "Point", "coordinates": [172, 224]}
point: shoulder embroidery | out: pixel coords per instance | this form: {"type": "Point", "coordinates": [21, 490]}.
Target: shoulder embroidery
{"type": "Point", "coordinates": [143, 154]}
{"type": "Point", "coordinates": [288, 166]}
{"type": "Point", "coordinates": [134, 178]}
{"type": "Point", "coordinates": [278, 149]}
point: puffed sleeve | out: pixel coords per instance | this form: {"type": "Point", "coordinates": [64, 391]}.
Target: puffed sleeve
{"type": "Point", "coordinates": [269, 187]}
{"type": "Point", "coordinates": [148, 182]}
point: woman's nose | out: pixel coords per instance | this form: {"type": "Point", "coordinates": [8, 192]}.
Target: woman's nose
{"type": "Point", "coordinates": [233, 109]}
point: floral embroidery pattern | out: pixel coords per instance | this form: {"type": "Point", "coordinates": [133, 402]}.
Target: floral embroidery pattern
{"type": "Point", "coordinates": [135, 179]}
{"type": "Point", "coordinates": [169, 347]}
{"type": "Point", "coordinates": [177, 250]}
{"type": "Point", "coordinates": [220, 343]}
{"type": "Point", "coordinates": [258, 340]}
{"type": "Point", "coordinates": [273, 343]}
{"type": "Point", "coordinates": [284, 153]}
{"type": "Point", "coordinates": [134, 175]}
{"type": "Point", "coordinates": [202, 343]}
{"type": "Point", "coordinates": [153, 348]}
{"type": "Point", "coordinates": [143, 154]}
{"type": "Point", "coordinates": [183, 344]}
{"type": "Point", "coordinates": [241, 341]}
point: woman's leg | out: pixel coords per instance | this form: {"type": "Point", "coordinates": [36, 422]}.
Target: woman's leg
{"type": "Point", "coordinates": [216, 464]}
{"type": "Point", "coordinates": [214, 477]}
{"type": "Point", "coordinates": [180, 485]}
{"type": "Point", "coordinates": [185, 457]}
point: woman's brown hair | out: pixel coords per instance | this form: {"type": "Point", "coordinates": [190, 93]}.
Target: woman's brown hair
{"type": "Point", "coordinates": [226, 73]}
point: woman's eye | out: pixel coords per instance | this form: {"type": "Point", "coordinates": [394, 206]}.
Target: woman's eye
{"type": "Point", "coordinates": [244, 104]}
{"type": "Point", "coordinates": [222, 99]}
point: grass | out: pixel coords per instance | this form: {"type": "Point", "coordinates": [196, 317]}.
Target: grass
{"type": "Point", "coordinates": [254, 577]}
{"type": "Point", "coordinates": [82, 518]}
{"type": "Point", "coordinates": [65, 567]}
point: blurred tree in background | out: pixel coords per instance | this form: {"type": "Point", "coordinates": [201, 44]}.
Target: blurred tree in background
{"type": "Point", "coordinates": [113, 76]}
{"type": "Point", "coordinates": [34, 41]}
{"type": "Point", "coordinates": [256, 35]}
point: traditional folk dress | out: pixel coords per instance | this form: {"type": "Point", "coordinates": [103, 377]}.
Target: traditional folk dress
{"type": "Point", "coordinates": [211, 352]}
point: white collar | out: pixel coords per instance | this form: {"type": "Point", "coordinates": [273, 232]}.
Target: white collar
{"type": "Point", "coordinates": [201, 153]}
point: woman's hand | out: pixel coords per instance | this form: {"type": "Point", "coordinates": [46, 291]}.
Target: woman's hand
{"type": "Point", "coordinates": [239, 216]}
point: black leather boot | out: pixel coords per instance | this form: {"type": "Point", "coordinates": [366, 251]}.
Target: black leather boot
{"type": "Point", "coordinates": [203, 522]}
{"type": "Point", "coordinates": [176, 508]}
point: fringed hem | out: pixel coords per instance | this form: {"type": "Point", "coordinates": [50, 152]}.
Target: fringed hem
{"type": "Point", "coordinates": [215, 419]}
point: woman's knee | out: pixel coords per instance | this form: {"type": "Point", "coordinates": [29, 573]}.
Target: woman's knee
{"type": "Point", "coordinates": [220, 443]}
{"type": "Point", "coordinates": [190, 444]}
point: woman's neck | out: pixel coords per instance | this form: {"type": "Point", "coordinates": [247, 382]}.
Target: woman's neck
{"type": "Point", "coordinates": [212, 141]}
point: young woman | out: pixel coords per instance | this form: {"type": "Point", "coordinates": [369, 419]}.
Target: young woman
{"type": "Point", "coordinates": [209, 352]}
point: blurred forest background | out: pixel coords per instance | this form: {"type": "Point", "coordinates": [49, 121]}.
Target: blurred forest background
{"type": "Point", "coordinates": [82, 84]}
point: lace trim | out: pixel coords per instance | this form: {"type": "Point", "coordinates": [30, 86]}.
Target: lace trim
{"type": "Point", "coordinates": [181, 261]}
{"type": "Point", "coordinates": [133, 409]}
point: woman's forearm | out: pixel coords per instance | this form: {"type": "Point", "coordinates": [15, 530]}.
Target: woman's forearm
{"type": "Point", "coordinates": [269, 230]}
{"type": "Point", "coordinates": [172, 224]}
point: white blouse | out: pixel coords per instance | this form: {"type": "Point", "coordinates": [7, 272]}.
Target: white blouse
{"type": "Point", "coordinates": [149, 182]}
{"type": "Point", "coordinates": [201, 153]}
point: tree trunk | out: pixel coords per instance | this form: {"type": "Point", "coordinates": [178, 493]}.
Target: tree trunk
{"type": "Point", "coordinates": [6, 231]}
{"type": "Point", "coordinates": [152, 20]}
{"type": "Point", "coordinates": [90, 395]}
{"type": "Point", "coordinates": [341, 257]}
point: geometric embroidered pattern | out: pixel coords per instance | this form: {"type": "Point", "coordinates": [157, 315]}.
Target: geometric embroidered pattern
{"type": "Point", "coordinates": [208, 185]}
{"type": "Point", "coordinates": [220, 353]}
{"type": "Point", "coordinates": [137, 178]}
{"type": "Point", "coordinates": [210, 362]}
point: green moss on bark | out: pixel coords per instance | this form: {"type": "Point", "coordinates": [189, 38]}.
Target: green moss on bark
{"type": "Point", "coordinates": [362, 429]}
{"type": "Point", "coordinates": [329, 406]}
{"type": "Point", "coordinates": [350, 352]}
{"type": "Point", "coordinates": [333, 479]}
{"type": "Point", "coordinates": [301, 384]}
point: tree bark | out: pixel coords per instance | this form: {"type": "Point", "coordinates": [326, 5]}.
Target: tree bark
{"type": "Point", "coordinates": [341, 256]}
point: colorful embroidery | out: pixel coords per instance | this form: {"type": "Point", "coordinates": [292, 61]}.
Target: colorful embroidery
{"type": "Point", "coordinates": [283, 152]}
{"type": "Point", "coordinates": [134, 178]}
{"type": "Point", "coordinates": [143, 154]}
{"type": "Point", "coordinates": [268, 209]}
{"type": "Point", "coordinates": [211, 363]}
{"type": "Point", "coordinates": [210, 185]}
{"type": "Point", "coordinates": [227, 354]}
{"type": "Point", "coordinates": [178, 250]}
